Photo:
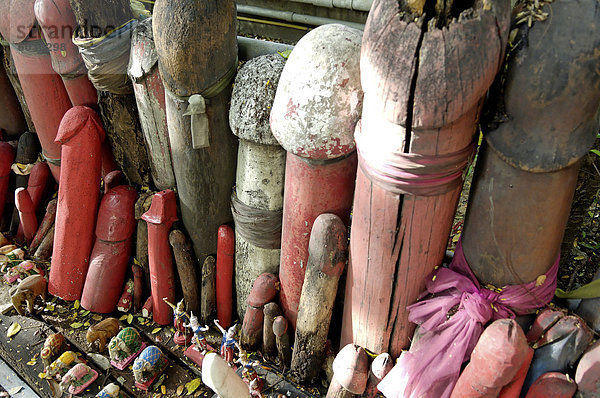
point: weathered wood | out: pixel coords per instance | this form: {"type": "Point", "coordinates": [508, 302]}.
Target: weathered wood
{"type": "Point", "coordinates": [96, 18]}
{"type": "Point", "coordinates": [261, 164]}
{"type": "Point", "coordinates": [269, 347]}
{"type": "Point", "coordinates": [552, 109]}
{"type": "Point", "coordinates": [327, 256]}
{"type": "Point", "coordinates": [282, 340]}
{"type": "Point", "coordinates": [208, 293]}
{"type": "Point", "coordinates": [424, 103]}
{"type": "Point", "coordinates": [44, 250]}
{"type": "Point", "coordinates": [119, 112]}
{"type": "Point", "coordinates": [141, 243]}
{"type": "Point", "coordinates": [336, 390]}
{"type": "Point", "coordinates": [186, 269]}
{"type": "Point", "coordinates": [13, 121]}
{"type": "Point", "coordinates": [150, 97]}
{"type": "Point", "coordinates": [27, 153]}
{"type": "Point", "coordinates": [196, 45]}
{"type": "Point", "coordinates": [12, 75]}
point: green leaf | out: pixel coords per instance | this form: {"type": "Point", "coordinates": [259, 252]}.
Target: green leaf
{"type": "Point", "coordinates": [193, 385]}
{"type": "Point", "coordinates": [285, 54]}
{"type": "Point", "coordinates": [76, 304]}
{"type": "Point", "coordinates": [156, 330]}
{"type": "Point", "coordinates": [129, 319]}
{"type": "Point", "coordinates": [595, 151]}
{"type": "Point", "coordinates": [76, 325]}
{"type": "Point", "coordinates": [13, 329]}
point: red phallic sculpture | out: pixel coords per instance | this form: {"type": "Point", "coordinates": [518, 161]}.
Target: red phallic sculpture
{"type": "Point", "coordinates": [160, 217]}
{"type": "Point", "coordinates": [224, 288]}
{"type": "Point", "coordinates": [57, 22]}
{"type": "Point", "coordinates": [81, 135]}
{"type": "Point", "coordinates": [7, 156]}
{"type": "Point", "coordinates": [112, 250]}
{"type": "Point", "coordinates": [26, 210]}
{"type": "Point", "coordinates": [43, 89]}
{"type": "Point", "coordinates": [316, 128]}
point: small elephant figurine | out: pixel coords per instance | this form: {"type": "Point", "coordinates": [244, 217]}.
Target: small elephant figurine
{"type": "Point", "coordinates": [62, 365]}
{"type": "Point", "coordinates": [149, 364]}
{"type": "Point", "coordinates": [102, 332]}
{"type": "Point", "coordinates": [124, 344]}
{"type": "Point", "coordinates": [110, 391]}
{"type": "Point", "coordinates": [27, 290]}
{"type": "Point", "coordinates": [53, 345]}
{"type": "Point", "coordinates": [77, 378]}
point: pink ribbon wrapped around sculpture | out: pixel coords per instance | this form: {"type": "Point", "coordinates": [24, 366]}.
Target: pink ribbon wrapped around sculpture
{"type": "Point", "coordinates": [432, 365]}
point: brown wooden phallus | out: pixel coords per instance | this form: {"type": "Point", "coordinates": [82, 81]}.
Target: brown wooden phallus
{"type": "Point", "coordinates": [282, 339]}
{"type": "Point", "coordinates": [327, 256]}
{"type": "Point", "coordinates": [186, 268]}
{"type": "Point", "coordinates": [422, 98]}
{"type": "Point", "coordinates": [269, 347]}
{"type": "Point", "coordinates": [208, 293]}
{"type": "Point", "coordinates": [528, 168]}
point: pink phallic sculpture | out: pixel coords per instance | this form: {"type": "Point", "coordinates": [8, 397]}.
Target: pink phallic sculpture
{"type": "Point", "coordinates": [81, 135]}
{"type": "Point", "coordinates": [7, 156]}
{"type": "Point", "coordinates": [26, 213]}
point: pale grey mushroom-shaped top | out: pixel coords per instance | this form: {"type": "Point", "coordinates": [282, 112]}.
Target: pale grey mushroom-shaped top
{"type": "Point", "coordinates": [319, 98]}
{"type": "Point", "coordinates": [252, 98]}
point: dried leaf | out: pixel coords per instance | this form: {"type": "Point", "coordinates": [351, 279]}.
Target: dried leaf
{"type": "Point", "coordinates": [76, 304]}
{"type": "Point", "coordinates": [13, 329]}
{"type": "Point", "coordinates": [97, 317]}
{"type": "Point", "coordinates": [129, 319]}
{"type": "Point", "coordinates": [163, 389]}
{"type": "Point", "coordinates": [76, 325]}
{"type": "Point", "coordinates": [193, 385]}
{"type": "Point", "coordinates": [85, 313]}
{"type": "Point", "coordinates": [180, 390]}
{"type": "Point", "coordinates": [86, 323]}
{"type": "Point", "coordinates": [156, 330]}
{"type": "Point", "coordinates": [123, 317]}
{"type": "Point", "coordinates": [32, 362]}
{"type": "Point", "coordinates": [50, 307]}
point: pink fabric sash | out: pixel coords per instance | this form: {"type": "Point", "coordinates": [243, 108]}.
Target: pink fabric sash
{"type": "Point", "coordinates": [432, 365]}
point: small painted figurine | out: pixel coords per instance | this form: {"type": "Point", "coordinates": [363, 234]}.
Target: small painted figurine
{"type": "Point", "coordinates": [63, 363]}
{"type": "Point", "coordinates": [53, 346]}
{"type": "Point", "coordinates": [102, 332]}
{"type": "Point", "coordinates": [255, 383]}
{"type": "Point", "coordinates": [124, 347]}
{"type": "Point", "coordinates": [228, 342]}
{"type": "Point", "coordinates": [180, 318]}
{"type": "Point", "coordinates": [78, 378]}
{"type": "Point", "coordinates": [110, 391]}
{"type": "Point", "coordinates": [148, 366]}
{"type": "Point", "coordinates": [200, 343]}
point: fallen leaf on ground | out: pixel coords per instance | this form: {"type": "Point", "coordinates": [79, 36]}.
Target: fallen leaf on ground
{"type": "Point", "coordinates": [129, 319]}
{"type": "Point", "coordinates": [180, 390]}
{"type": "Point", "coordinates": [76, 325]}
{"type": "Point", "coordinates": [97, 317]}
{"type": "Point", "coordinates": [76, 304]}
{"type": "Point", "coordinates": [13, 329]}
{"type": "Point", "coordinates": [193, 385]}
{"type": "Point", "coordinates": [156, 330]}
{"type": "Point", "coordinates": [14, 390]}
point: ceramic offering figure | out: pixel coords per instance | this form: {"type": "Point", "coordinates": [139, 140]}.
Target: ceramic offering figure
{"type": "Point", "coordinates": [78, 378]}
{"type": "Point", "coordinates": [22, 270]}
{"type": "Point", "coordinates": [124, 347]}
{"type": "Point", "coordinates": [62, 365]}
{"type": "Point", "coordinates": [28, 290]}
{"type": "Point", "coordinates": [102, 332]}
{"type": "Point", "coordinates": [228, 343]}
{"type": "Point", "coordinates": [180, 318]}
{"type": "Point", "coordinates": [110, 391]}
{"type": "Point", "coordinates": [255, 383]}
{"type": "Point", "coordinates": [53, 345]}
{"type": "Point", "coordinates": [198, 350]}
{"type": "Point", "coordinates": [148, 366]}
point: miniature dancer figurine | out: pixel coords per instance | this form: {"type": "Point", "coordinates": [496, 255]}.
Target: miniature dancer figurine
{"type": "Point", "coordinates": [228, 342]}
{"type": "Point", "coordinates": [180, 318]}
{"type": "Point", "coordinates": [200, 343]}
{"type": "Point", "coordinates": [255, 383]}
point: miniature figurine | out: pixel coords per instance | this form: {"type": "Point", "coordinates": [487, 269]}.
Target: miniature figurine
{"type": "Point", "coordinates": [102, 332]}
{"type": "Point", "coordinates": [148, 366]}
{"type": "Point", "coordinates": [180, 318]}
{"type": "Point", "coordinates": [22, 270]}
{"type": "Point", "coordinates": [110, 391]}
{"type": "Point", "coordinates": [198, 350]}
{"type": "Point", "coordinates": [200, 343]}
{"type": "Point", "coordinates": [124, 347]}
{"type": "Point", "coordinates": [27, 290]}
{"type": "Point", "coordinates": [53, 345]}
{"type": "Point", "coordinates": [126, 299]}
{"type": "Point", "coordinates": [228, 342]}
{"type": "Point", "coordinates": [61, 366]}
{"type": "Point", "coordinates": [255, 383]}
{"type": "Point", "coordinates": [78, 378]}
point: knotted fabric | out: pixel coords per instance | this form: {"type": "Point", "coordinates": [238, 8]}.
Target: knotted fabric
{"type": "Point", "coordinates": [432, 365]}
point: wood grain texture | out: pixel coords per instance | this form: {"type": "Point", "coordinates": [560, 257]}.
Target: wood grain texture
{"type": "Point", "coordinates": [423, 93]}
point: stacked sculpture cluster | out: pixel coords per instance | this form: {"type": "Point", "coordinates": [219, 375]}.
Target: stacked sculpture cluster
{"type": "Point", "coordinates": [379, 124]}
